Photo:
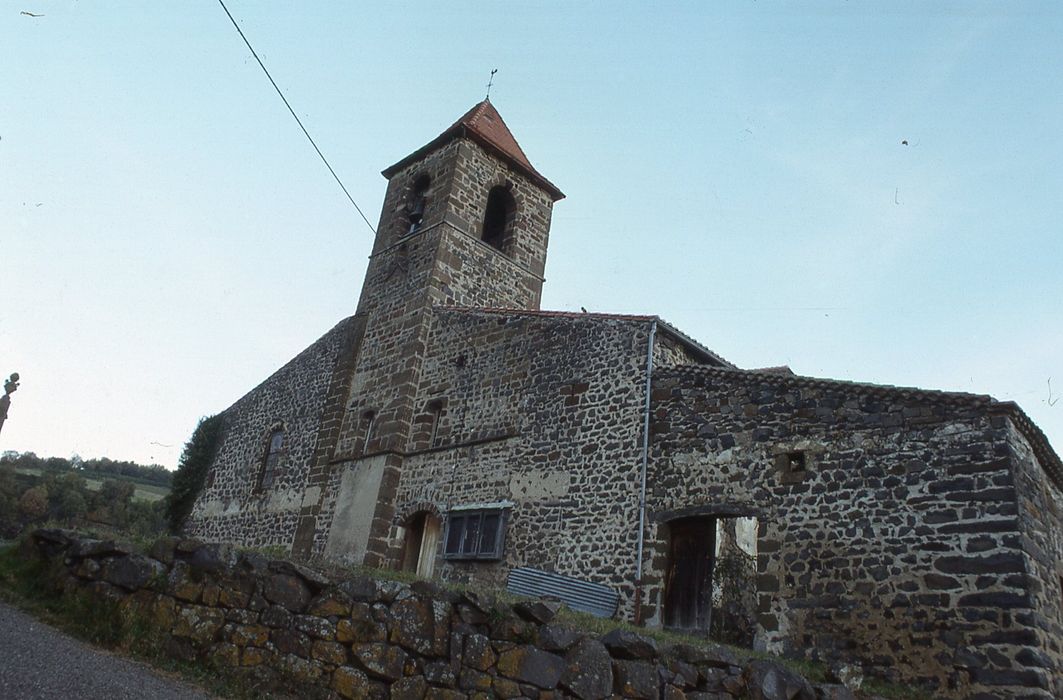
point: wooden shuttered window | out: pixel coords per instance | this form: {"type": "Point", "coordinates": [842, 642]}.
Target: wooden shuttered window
{"type": "Point", "coordinates": [475, 534]}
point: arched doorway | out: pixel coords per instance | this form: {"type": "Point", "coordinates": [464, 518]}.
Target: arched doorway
{"type": "Point", "coordinates": [422, 540]}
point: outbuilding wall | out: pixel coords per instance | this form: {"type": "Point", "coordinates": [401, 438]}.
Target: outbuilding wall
{"type": "Point", "coordinates": [899, 547]}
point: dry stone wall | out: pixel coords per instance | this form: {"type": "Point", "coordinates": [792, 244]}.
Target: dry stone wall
{"type": "Point", "coordinates": [899, 545]}
{"type": "Point", "coordinates": [289, 626]}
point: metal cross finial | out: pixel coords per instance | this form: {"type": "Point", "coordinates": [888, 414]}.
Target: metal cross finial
{"type": "Point", "coordinates": [490, 83]}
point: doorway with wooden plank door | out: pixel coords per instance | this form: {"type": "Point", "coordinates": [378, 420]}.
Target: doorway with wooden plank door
{"type": "Point", "coordinates": [422, 541]}
{"type": "Point", "coordinates": [688, 581]}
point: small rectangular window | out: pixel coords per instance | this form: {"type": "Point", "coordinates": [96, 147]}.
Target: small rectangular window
{"type": "Point", "coordinates": [795, 462]}
{"type": "Point", "coordinates": [475, 534]}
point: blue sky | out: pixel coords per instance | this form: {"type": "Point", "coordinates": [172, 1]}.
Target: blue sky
{"type": "Point", "coordinates": [168, 238]}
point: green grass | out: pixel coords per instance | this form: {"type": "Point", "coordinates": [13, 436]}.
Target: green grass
{"type": "Point", "coordinates": [141, 492]}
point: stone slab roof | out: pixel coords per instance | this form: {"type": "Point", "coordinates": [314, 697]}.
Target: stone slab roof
{"type": "Point", "coordinates": [484, 125]}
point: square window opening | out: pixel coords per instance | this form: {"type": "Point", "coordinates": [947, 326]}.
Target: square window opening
{"type": "Point", "coordinates": [475, 534]}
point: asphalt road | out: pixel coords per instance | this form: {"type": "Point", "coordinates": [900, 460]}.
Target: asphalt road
{"type": "Point", "coordinates": [38, 661]}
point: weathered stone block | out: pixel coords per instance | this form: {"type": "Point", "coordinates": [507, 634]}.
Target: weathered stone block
{"type": "Point", "coordinates": [131, 571]}
{"type": "Point", "coordinates": [316, 627]}
{"type": "Point", "coordinates": [351, 683]}
{"type": "Point", "coordinates": [557, 638]}
{"type": "Point", "coordinates": [588, 671]}
{"type": "Point", "coordinates": [380, 660]}
{"type": "Point", "coordinates": [330, 603]}
{"type": "Point", "coordinates": [766, 680]}
{"type": "Point", "coordinates": [201, 625]}
{"type": "Point", "coordinates": [530, 665]}
{"type": "Point", "coordinates": [412, 625]}
{"type": "Point", "coordinates": [291, 642]}
{"type": "Point", "coordinates": [477, 652]}
{"type": "Point", "coordinates": [329, 652]}
{"type": "Point", "coordinates": [288, 591]}
{"type": "Point", "coordinates": [538, 611]}
{"type": "Point", "coordinates": [623, 644]}
{"type": "Point", "coordinates": [253, 656]}
{"type": "Point", "coordinates": [635, 679]}
{"type": "Point", "coordinates": [249, 635]}
{"type": "Point", "coordinates": [412, 688]}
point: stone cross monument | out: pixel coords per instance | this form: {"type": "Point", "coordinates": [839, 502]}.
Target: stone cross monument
{"type": "Point", "coordinates": [5, 401]}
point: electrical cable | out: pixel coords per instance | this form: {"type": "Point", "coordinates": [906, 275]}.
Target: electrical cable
{"type": "Point", "coordinates": [296, 116]}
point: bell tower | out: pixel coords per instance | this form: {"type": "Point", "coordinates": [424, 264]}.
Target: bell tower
{"type": "Point", "coordinates": [475, 199]}
{"type": "Point", "coordinates": [465, 222]}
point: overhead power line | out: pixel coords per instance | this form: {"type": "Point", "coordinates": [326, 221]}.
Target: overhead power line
{"type": "Point", "coordinates": [296, 116]}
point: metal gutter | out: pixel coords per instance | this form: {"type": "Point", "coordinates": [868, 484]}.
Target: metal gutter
{"type": "Point", "coordinates": [642, 476]}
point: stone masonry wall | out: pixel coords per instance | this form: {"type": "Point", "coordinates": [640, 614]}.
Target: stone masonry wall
{"type": "Point", "coordinates": [292, 627]}
{"type": "Point", "coordinates": [232, 507]}
{"type": "Point", "coordinates": [1041, 525]}
{"type": "Point", "coordinates": [542, 411]}
{"type": "Point", "coordinates": [897, 547]}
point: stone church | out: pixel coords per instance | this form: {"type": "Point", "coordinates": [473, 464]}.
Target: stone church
{"type": "Point", "coordinates": [453, 428]}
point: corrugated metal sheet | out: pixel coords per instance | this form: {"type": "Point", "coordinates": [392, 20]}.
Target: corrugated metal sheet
{"type": "Point", "coordinates": [584, 596]}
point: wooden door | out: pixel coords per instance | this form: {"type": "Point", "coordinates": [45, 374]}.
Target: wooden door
{"type": "Point", "coordinates": [688, 584]}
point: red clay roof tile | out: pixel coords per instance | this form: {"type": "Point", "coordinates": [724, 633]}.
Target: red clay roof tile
{"type": "Point", "coordinates": [484, 124]}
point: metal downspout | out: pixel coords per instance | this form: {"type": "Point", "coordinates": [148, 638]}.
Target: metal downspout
{"type": "Point", "coordinates": [642, 476]}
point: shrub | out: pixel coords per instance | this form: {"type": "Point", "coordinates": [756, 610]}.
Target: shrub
{"type": "Point", "coordinates": [192, 470]}
{"type": "Point", "coordinates": [34, 503]}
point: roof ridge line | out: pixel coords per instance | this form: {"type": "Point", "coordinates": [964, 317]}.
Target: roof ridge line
{"type": "Point", "coordinates": [775, 378]}
{"type": "Point", "coordinates": [544, 312]}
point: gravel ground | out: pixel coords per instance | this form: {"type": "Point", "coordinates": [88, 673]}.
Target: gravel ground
{"type": "Point", "coordinates": [38, 661]}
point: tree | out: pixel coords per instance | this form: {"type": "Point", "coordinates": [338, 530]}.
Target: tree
{"type": "Point", "coordinates": [9, 497]}
{"type": "Point", "coordinates": [112, 501]}
{"type": "Point", "coordinates": [67, 496]}
{"type": "Point", "coordinates": [34, 503]}
{"type": "Point", "coordinates": [192, 470]}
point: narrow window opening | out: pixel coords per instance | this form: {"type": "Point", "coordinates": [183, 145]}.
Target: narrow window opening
{"type": "Point", "coordinates": [369, 418]}
{"type": "Point", "coordinates": [498, 218]}
{"type": "Point", "coordinates": [417, 203]}
{"type": "Point", "coordinates": [436, 409]}
{"type": "Point", "coordinates": [271, 460]}
{"type": "Point", "coordinates": [795, 462]}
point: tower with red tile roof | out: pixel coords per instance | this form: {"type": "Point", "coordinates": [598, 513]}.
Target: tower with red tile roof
{"type": "Point", "coordinates": [465, 221]}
